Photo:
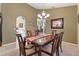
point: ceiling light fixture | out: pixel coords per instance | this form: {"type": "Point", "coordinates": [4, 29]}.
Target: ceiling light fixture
{"type": "Point", "coordinates": [43, 15]}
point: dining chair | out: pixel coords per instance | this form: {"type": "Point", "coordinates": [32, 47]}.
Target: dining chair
{"type": "Point", "coordinates": [55, 45]}
{"type": "Point", "coordinates": [54, 32]}
{"type": "Point", "coordinates": [29, 33]}
{"type": "Point", "coordinates": [61, 37]}
{"type": "Point", "coordinates": [22, 45]}
{"type": "Point", "coordinates": [36, 32]}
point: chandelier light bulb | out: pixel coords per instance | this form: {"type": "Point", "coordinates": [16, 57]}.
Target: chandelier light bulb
{"type": "Point", "coordinates": [48, 15]}
{"type": "Point", "coordinates": [45, 17]}
{"type": "Point", "coordinates": [43, 13]}
{"type": "Point", "coordinates": [38, 15]}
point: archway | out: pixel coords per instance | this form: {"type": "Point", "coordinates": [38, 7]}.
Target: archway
{"type": "Point", "coordinates": [20, 27]}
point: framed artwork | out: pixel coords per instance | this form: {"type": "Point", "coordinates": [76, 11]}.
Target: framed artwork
{"type": "Point", "coordinates": [57, 23]}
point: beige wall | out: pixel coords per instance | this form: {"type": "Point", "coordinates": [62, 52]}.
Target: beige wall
{"type": "Point", "coordinates": [0, 7]}
{"type": "Point", "coordinates": [10, 12]}
{"type": "Point", "coordinates": [78, 8]}
{"type": "Point", "coordinates": [78, 26]}
{"type": "Point", "coordinates": [70, 22]}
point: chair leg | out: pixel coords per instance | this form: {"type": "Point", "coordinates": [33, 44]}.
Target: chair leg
{"type": "Point", "coordinates": [20, 52]}
{"type": "Point", "coordinates": [23, 52]}
{"type": "Point", "coordinates": [52, 51]}
{"type": "Point", "coordinates": [35, 48]}
{"type": "Point", "coordinates": [39, 51]}
{"type": "Point", "coordinates": [61, 48]}
{"type": "Point", "coordinates": [57, 52]}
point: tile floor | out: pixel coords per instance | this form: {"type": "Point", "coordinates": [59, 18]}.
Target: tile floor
{"type": "Point", "coordinates": [68, 50]}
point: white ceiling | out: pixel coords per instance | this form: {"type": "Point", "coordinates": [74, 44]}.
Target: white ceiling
{"type": "Point", "coordinates": [50, 5]}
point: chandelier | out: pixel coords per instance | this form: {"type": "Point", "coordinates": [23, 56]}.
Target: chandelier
{"type": "Point", "coordinates": [43, 15]}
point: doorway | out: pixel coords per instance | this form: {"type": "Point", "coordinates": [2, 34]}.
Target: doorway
{"type": "Point", "coordinates": [20, 27]}
{"type": "Point", "coordinates": [0, 30]}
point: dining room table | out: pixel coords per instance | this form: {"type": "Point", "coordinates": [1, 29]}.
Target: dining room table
{"type": "Point", "coordinates": [40, 41]}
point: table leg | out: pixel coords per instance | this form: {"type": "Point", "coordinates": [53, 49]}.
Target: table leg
{"type": "Point", "coordinates": [39, 51]}
{"type": "Point", "coordinates": [57, 52]}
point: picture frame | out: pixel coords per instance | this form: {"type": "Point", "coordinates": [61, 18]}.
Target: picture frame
{"type": "Point", "coordinates": [57, 23]}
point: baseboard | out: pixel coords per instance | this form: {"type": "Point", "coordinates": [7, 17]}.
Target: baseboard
{"type": "Point", "coordinates": [7, 47]}
{"type": "Point", "coordinates": [9, 44]}
{"type": "Point", "coordinates": [70, 43]}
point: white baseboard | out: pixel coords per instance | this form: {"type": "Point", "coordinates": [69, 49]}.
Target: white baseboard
{"type": "Point", "coordinates": [70, 43]}
{"type": "Point", "coordinates": [7, 47]}
{"type": "Point", "coordinates": [8, 44]}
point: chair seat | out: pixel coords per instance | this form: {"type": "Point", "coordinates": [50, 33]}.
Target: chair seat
{"type": "Point", "coordinates": [29, 46]}
{"type": "Point", "coordinates": [29, 51]}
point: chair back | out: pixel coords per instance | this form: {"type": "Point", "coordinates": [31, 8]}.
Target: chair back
{"type": "Point", "coordinates": [60, 39]}
{"type": "Point", "coordinates": [54, 32]}
{"type": "Point", "coordinates": [61, 35]}
{"type": "Point", "coordinates": [29, 33]}
{"type": "Point", "coordinates": [36, 32]}
{"type": "Point", "coordinates": [55, 44]}
{"type": "Point", "coordinates": [21, 44]}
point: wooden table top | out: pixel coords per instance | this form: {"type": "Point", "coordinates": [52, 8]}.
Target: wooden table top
{"type": "Point", "coordinates": [41, 39]}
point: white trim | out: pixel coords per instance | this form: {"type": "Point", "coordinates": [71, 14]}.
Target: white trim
{"type": "Point", "coordinates": [78, 34]}
{"type": "Point", "coordinates": [70, 43]}
{"type": "Point", "coordinates": [9, 44]}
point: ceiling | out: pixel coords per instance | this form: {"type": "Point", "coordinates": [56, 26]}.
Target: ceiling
{"type": "Point", "coordinates": [50, 5]}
